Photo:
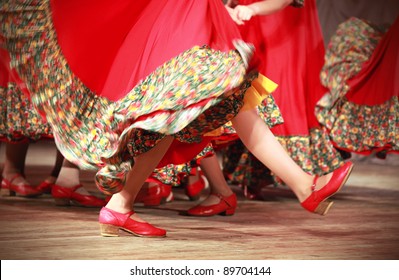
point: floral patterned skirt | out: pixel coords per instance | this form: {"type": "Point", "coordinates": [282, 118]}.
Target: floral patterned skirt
{"type": "Point", "coordinates": [184, 97]}
{"type": "Point", "coordinates": [19, 121]}
{"type": "Point", "coordinates": [175, 174]}
{"type": "Point", "coordinates": [361, 109]}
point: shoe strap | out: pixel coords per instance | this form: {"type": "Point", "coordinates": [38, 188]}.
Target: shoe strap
{"type": "Point", "coordinates": [222, 198]}
{"type": "Point", "coordinates": [74, 188]}
{"type": "Point", "coordinates": [15, 177]}
{"type": "Point", "coordinates": [127, 214]}
{"type": "Point", "coordinates": [46, 180]}
{"type": "Point", "coordinates": [313, 187]}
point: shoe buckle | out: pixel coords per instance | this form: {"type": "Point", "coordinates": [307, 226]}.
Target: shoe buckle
{"type": "Point", "coordinates": [313, 187]}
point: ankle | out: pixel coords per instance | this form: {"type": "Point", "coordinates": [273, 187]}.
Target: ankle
{"type": "Point", "coordinates": [323, 180]}
{"type": "Point", "coordinates": [50, 179]}
{"type": "Point", "coordinates": [123, 210]}
{"type": "Point", "coordinates": [305, 188]}
{"type": "Point", "coordinates": [310, 185]}
{"type": "Point", "coordinates": [120, 204]}
{"type": "Point", "coordinates": [10, 173]}
{"type": "Point", "coordinates": [118, 208]}
{"type": "Point", "coordinates": [68, 177]}
{"type": "Point", "coordinates": [225, 193]}
{"type": "Point", "coordinates": [210, 200]}
{"type": "Point", "coordinates": [15, 178]}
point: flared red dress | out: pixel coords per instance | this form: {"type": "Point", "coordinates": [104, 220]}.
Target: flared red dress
{"type": "Point", "coordinates": [114, 79]}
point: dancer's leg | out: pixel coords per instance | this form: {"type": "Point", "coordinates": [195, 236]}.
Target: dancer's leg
{"type": "Point", "coordinates": [67, 188]}
{"type": "Point", "coordinates": [69, 175]}
{"type": "Point", "coordinates": [14, 181]}
{"type": "Point", "coordinates": [217, 183]}
{"type": "Point", "coordinates": [15, 161]}
{"type": "Point", "coordinates": [261, 142]}
{"type": "Point", "coordinates": [47, 183]}
{"type": "Point", "coordinates": [57, 165]}
{"type": "Point", "coordinates": [145, 163]}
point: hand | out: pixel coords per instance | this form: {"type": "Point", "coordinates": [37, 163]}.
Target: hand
{"type": "Point", "coordinates": [243, 13]}
{"type": "Point", "coordinates": [233, 16]}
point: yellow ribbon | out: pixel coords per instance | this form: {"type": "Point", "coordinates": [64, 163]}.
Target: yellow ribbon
{"type": "Point", "coordinates": [260, 88]}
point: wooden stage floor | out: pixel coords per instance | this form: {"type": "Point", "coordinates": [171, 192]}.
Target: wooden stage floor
{"type": "Point", "coordinates": [363, 224]}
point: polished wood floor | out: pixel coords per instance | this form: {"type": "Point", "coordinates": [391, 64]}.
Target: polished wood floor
{"type": "Point", "coordinates": [362, 225]}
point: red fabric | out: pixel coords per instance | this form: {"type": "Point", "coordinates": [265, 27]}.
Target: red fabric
{"type": "Point", "coordinates": [90, 33]}
{"type": "Point", "coordinates": [4, 68]}
{"type": "Point", "coordinates": [195, 23]}
{"type": "Point", "coordinates": [367, 88]}
{"type": "Point", "coordinates": [179, 152]}
{"type": "Point", "coordinates": [8, 75]}
{"type": "Point", "coordinates": [290, 46]}
{"type": "Point", "coordinates": [111, 47]}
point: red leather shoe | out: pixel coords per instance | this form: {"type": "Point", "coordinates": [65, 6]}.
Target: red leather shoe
{"type": "Point", "coordinates": [63, 196]}
{"type": "Point", "coordinates": [318, 201]}
{"type": "Point", "coordinates": [193, 191]}
{"type": "Point", "coordinates": [25, 190]}
{"type": "Point", "coordinates": [227, 206]}
{"type": "Point", "coordinates": [155, 195]}
{"type": "Point", "coordinates": [111, 222]}
{"type": "Point", "coordinates": [45, 187]}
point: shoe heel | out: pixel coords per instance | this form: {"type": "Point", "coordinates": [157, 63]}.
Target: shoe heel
{"type": "Point", "coordinates": [323, 207]}
{"type": "Point", "coordinates": [229, 211]}
{"type": "Point", "coordinates": [109, 230]}
{"type": "Point", "coordinates": [62, 201]}
{"type": "Point", "coordinates": [7, 192]}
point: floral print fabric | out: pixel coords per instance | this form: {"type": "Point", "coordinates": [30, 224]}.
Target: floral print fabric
{"type": "Point", "coordinates": [353, 126]}
{"type": "Point", "coordinates": [95, 133]}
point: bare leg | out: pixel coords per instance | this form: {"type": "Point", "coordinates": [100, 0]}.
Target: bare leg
{"type": "Point", "coordinates": [56, 169]}
{"type": "Point", "coordinates": [260, 141]}
{"type": "Point", "coordinates": [69, 177]}
{"type": "Point", "coordinates": [57, 165]}
{"type": "Point", "coordinates": [123, 201]}
{"type": "Point", "coordinates": [217, 183]}
{"type": "Point", "coordinates": [15, 162]}
{"type": "Point", "coordinates": [67, 187]}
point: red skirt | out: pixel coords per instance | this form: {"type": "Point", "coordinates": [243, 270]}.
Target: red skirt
{"type": "Point", "coordinates": [122, 43]}
{"type": "Point", "coordinates": [114, 79]}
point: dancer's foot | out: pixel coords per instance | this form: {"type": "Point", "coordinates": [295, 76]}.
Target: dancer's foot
{"type": "Point", "coordinates": [112, 221]}
{"type": "Point", "coordinates": [64, 196]}
{"type": "Point", "coordinates": [16, 184]}
{"type": "Point", "coordinates": [46, 185]}
{"type": "Point", "coordinates": [325, 187]}
{"type": "Point", "coordinates": [215, 204]}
